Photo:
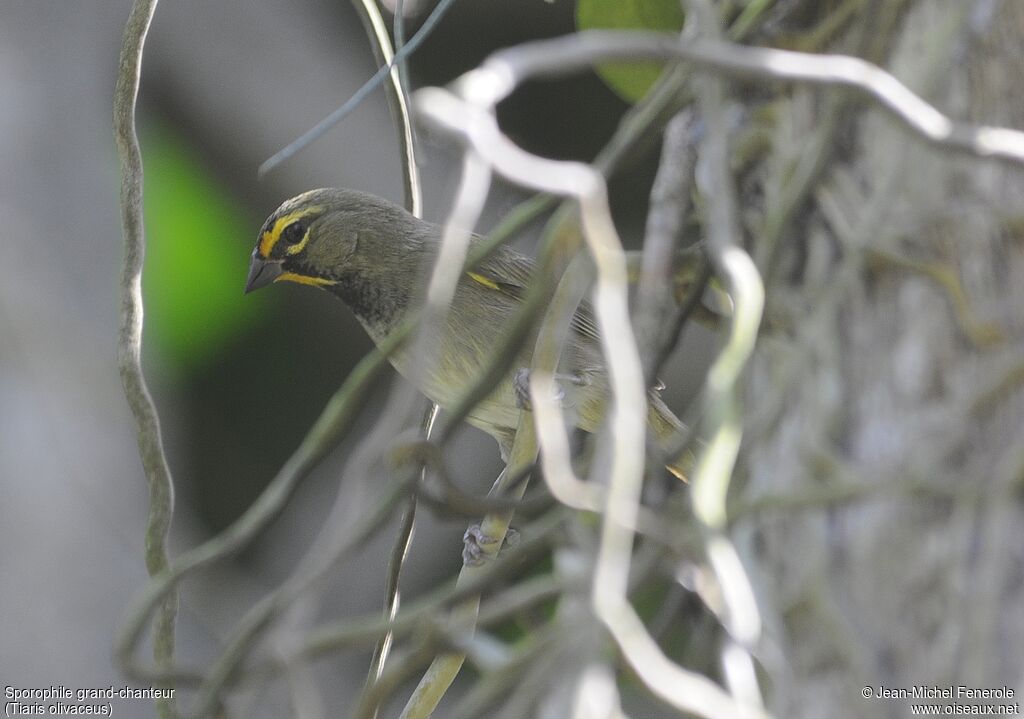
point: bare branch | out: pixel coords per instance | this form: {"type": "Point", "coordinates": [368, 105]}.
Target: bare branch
{"type": "Point", "coordinates": [563, 55]}
{"type": "Point", "coordinates": [377, 32]}
{"type": "Point", "coordinates": [129, 344]}
{"type": "Point", "coordinates": [361, 94]}
{"type": "Point", "coordinates": [403, 541]}
{"type": "Point", "coordinates": [715, 466]}
{"type": "Point", "coordinates": [373, 23]}
{"type": "Point", "coordinates": [670, 200]}
{"type": "Point", "coordinates": [334, 422]}
{"type": "Point", "coordinates": [443, 670]}
{"type": "Point", "coordinates": [472, 119]}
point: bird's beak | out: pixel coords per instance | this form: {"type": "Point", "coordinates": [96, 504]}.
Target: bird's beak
{"type": "Point", "coordinates": [261, 273]}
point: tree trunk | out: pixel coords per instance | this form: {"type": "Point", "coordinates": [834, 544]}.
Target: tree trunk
{"type": "Point", "coordinates": [884, 446]}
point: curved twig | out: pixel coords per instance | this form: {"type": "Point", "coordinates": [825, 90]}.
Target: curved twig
{"type": "Point", "coordinates": [398, 101]}
{"type": "Point", "coordinates": [559, 56]}
{"type": "Point", "coordinates": [376, 31]}
{"type": "Point", "coordinates": [129, 342]}
{"type": "Point", "coordinates": [361, 94]}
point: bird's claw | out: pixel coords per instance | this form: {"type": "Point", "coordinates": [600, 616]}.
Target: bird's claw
{"type": "Point", "coordinates": [478, 546]}
{"type": "Point", "coordinates": [521, 386]}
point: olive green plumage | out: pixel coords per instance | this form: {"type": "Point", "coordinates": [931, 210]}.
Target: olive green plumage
{"type": "Point", "coordinates": [374, 255]}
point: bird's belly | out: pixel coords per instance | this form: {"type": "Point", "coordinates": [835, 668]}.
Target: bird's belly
{"type": "Point", "coordinates": [498, 413]}
{"type": "Point", "coordinates": [465, 354]}
{"type": "Point", "coordinates": [447, 381]}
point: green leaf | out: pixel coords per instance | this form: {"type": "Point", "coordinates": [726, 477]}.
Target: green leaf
{"type": "Point", "coordinates": [630, 80]}
{"type": "Point", "coordinates": [197, 250]}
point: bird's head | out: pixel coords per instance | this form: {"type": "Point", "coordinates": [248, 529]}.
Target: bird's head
{"type": "Point", "coordinates": [323, 235]}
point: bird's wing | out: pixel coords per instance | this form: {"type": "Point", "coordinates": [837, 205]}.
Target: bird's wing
{"type": "Point", "coordinates": [509, 272]}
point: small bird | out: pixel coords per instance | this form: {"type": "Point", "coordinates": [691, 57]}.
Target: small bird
{"type": "Point", "coordinates": [372, 253]}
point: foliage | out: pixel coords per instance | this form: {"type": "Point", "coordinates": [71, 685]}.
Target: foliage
{"type": "Point", "coordinates": [630, 80]}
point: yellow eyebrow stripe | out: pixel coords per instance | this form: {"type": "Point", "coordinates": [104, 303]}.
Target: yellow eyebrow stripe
{"type": "Point", "coordinates": [485, 281]}
{"type": "Point", "coordinates": [271, 236]}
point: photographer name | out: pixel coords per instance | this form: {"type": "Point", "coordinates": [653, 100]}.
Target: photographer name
{"type": "Point", "coordinates": [933, 691]}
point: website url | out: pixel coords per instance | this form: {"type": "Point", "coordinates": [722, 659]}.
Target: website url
{"type": "Point", "coordinates": [965, 709]}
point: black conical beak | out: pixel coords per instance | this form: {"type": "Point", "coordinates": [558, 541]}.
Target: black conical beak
{"type": "Point", "coordinates": [261, 273]}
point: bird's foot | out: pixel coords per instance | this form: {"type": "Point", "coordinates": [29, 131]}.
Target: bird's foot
{"type": "Point", "coordinates": [521, 385]}
{"type": "Point", "coordinates": [478, 546]}
{"type": "Point", "coordinates": [512, 537]}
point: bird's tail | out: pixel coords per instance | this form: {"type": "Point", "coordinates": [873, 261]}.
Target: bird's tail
{"type": "Point", "coordinates": [669, 432]}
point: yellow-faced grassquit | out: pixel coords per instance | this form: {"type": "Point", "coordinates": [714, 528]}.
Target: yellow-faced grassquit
{"type": "Point", "coordinates": [372, 254]}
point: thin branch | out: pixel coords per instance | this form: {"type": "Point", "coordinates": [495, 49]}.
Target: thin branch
{"type": "Point", "coordinates": [559, 56]}
{"type": "Point", "coordinates": [495, 684]}
{"type": "Point", "coordinates": [333, 424]}
{"type": "Point", "coordinates": [398, 33]}
{"type": "Point", "coordinates": [559, 475]}
{"type": "Point", "coordinates": [472, 119]}
{"type": "Point", "coordinates": [397, 672]}
{"type": "Point", "coordinates": [377, 33]}
{"type": "Point", "coordinates": [538, 537]}
{"type": "Point", "coordinates": [638, 123]}
{"type": "Point", "coordinates": [670, 200]}
{"type": "Point", "coordinates": [739, 613]}
{"type": "Point", "coordinates": [361, 94]}
{"type": "Point", "coordinates": [688, 691]}
{"type": "Point", "coordinates": [546, 396]}
{"type": "Point", "coordinates": [341, 539]}
{"type": "Point", "coordinates": [340, 412]}
{"type": "Point", "coordinates": [392, 596]}
{"type": "Point", "coordinates": [447, 268]}
{"type": "Point", "coordinates": [129, 345]}
{"type": "Point", "coordinates": [443, 670]}
{"type": "Point", "coordinates": [423, 613]}
{"type": "Point", "coordinates": [545, 401]}
{"type": "Point", "coordinates": [397, 95]}
{"type": "Point", "coordinates": [797, 181]}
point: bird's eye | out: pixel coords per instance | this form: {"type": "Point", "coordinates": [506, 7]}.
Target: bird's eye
{"type": "Point", "coordinates": [293, 233]}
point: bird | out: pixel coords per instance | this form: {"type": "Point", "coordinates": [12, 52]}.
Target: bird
{"type": "Point", "coordinates": [371, 254]}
